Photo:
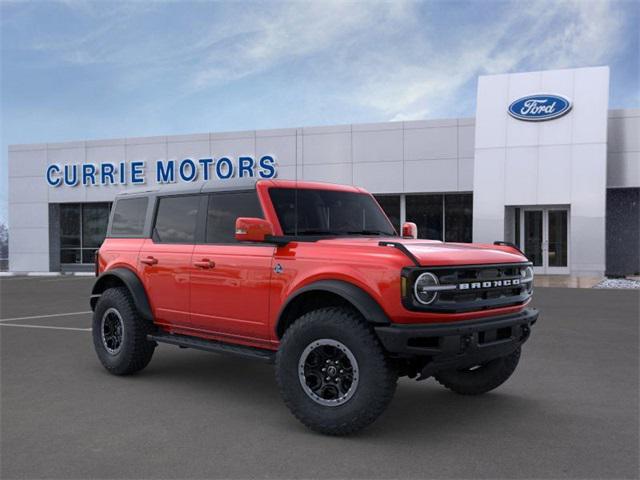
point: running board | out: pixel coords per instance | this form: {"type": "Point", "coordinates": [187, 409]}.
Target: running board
{"type": "Point", "coordinates": [185, 341]}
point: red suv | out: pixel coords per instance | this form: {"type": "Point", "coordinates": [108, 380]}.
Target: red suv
{"type": "Point", "coordinates": [314, 278]}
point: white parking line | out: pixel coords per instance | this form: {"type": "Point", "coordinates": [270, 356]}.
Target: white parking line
{"type": "Point", "coordinates": [43, 316]}
{"type": "Point", "coordinates": [44, 326]}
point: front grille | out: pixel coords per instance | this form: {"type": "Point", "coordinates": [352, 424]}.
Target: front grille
{"type": "Point", "coordinates": [475, 287]}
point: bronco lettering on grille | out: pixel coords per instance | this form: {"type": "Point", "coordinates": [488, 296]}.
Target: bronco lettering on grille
{"type": "Point", "coordinates": [510, 282]}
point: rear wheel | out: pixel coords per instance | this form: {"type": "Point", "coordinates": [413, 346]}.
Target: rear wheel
{"type": "Point", "coordinates": [480, 378]}
{"type": "Point", "coordinates": [333, 373]}
{"type": "Point", "coordinates": [120, 333]}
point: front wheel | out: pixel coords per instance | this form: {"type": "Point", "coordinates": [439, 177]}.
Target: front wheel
{"type": "Point", "coordinates": [481, 378]}
{"type": "Point", "coordinates": [332, 372]}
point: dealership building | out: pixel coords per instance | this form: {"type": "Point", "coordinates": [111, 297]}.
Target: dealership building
{"type": "Point", "coordinates": [544, 164]}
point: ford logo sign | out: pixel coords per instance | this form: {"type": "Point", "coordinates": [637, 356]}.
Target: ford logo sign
{"type": "Point", "coordinates": [536, 108]}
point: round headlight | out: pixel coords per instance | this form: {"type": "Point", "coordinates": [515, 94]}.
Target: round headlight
{"type": "Point", "coordinates": [425, 288]}
{"type": "Point", "coordinates": [527, 274]}
{"type": "Point", "coordinates": [527, 277]}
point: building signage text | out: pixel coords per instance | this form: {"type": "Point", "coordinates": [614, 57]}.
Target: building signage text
{"type": "Point", "coordinates": [164, 171]}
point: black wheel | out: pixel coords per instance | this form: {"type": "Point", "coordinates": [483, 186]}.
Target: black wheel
{"type": "Point", "coordinates": [333, 373]}
{"type": "Point", "coordinates": [481, 378]}
{"type": "Point", "coordinates": [120, 334]}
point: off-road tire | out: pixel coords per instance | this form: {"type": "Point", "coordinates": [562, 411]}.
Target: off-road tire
{"type": "Point", "coordinates": [136, 351]}
{"type": "Point", "coordinates": [377, 377]}
{"type": "Point", "coordinates": [482, 379]}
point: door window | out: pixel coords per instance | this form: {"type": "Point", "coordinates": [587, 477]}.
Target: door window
{"type": "Point", "coordinates": [224, 209]}
{"type": "Point", "coordinates": [176, 219]}
{"type": "Point", "coordinates": [533, 236]}
{"type": "Point", "coordinates": [544, 237]}
{"type": "Point", "coordinates": [558, 238]}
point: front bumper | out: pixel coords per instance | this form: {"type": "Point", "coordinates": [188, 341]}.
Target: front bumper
{"type": "Point", "coordinates": [460, 344]}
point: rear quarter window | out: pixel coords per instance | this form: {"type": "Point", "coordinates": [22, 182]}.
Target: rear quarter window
{"type": "Point", "coordinates": [129, 216]}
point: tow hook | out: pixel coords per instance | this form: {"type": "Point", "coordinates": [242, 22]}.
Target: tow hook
{"type": "Point", "coordinates": [465, 341]}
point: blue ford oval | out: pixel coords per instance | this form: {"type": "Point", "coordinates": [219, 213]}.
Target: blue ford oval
{"type": "Point", "coordinates": [536, 108]}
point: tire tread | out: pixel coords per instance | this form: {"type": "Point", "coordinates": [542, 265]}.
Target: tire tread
{"type": "Point", "coordinates": [340, 318]}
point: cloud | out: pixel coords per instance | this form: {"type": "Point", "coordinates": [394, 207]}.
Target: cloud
{"type": "Point", "coordinates": [534, 35]}
{"type": "Point", "coordinates": [296, 30]}
{"type": "Point", "coordinates": [401, 60]}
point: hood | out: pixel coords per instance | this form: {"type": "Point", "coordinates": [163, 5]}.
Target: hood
{"type": "Point", "coordinates": [436, 253]}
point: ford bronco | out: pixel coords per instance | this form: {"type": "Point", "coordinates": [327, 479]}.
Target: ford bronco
{"type": "Point", "coordinates": [314, 278]}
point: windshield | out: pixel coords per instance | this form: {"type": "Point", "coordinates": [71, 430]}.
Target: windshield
{"type": "Point", "coordinates": [328, 212]}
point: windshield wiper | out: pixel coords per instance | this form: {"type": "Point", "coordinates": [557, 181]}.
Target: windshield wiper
{"type": "Point", "coordinates": [345, 232]}
{"type": "Point", "coordinates": [319, 232]}
{"type": "Point", "coordinates": [370, 232]}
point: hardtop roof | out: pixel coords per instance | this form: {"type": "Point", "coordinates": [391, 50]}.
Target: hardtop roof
{"type": "Point", "coordinates": [230, 186]}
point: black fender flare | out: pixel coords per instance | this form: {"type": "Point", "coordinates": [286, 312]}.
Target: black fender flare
{"type": "Point", "coordinates": [370, 310]}
{"type": "Point", "coordinates": [133, 284]}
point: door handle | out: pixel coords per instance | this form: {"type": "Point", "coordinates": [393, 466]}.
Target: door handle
{"type": "Point", "coordinates": [205, 263]}
{"type": "Point", "coordinates": [149, 260]}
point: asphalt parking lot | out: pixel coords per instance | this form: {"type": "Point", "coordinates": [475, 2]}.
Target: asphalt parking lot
{"type": "Point", "coordinates": [570, 410]}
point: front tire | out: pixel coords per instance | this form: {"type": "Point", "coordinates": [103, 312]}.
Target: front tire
{"type": "Point", "coordinates": [332, 372]}
{"type": "Point", "coordinates": [120, 334]}
{"type": "Point", "coordinates": [480, 379]}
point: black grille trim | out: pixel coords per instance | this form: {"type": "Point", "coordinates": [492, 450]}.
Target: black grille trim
{"type": "Point", "coordinates": [482, 298]}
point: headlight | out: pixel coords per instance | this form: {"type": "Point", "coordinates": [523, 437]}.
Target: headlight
{"type": "Point", "coordinates": [425, 288]}
{"type": "Point", "coordinates": [527, 278]}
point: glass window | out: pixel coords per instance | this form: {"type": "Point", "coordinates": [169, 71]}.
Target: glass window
{"type": "Point", "coordinates": [328, 212]}
{"type": "Point", "coordinates": [558, 247]}
{"type": "Point", "coordinates": [176, 219]}
{"type": "Point", "coordinates": [95, 218]}
{"type": "Point", "coordinates": [70, 255]}
{"type": "Point", "coordinates": [533, 236]}
{"type": "Point", "coordinates": [224, 209]}
{"type": "Point", "coordinates": [458, 217]}
{"type": "Point", "coordinates": [517, 229]}
{"type": "Point", "coordinates": [69, 225]}
{"type": "Point", "coordinates": [129, 216]}
{"type": "Point", "coordinates": [391, 206]}
{"type": "Point", "coordinates": [82, 230]}
{"type": "Point", "coordinates": [426, 212]}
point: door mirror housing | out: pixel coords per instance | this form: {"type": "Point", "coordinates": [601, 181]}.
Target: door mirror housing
{"type": "Point", "coordinates": [409, 230]}
{"type": "Point", "coordinates": [253, 229]}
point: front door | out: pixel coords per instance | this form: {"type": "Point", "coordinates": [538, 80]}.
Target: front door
{"type": "Point", "coordinates": [544, 235]}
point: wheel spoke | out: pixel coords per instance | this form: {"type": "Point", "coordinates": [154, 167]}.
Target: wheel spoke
{"type": "Point", "coordinates": [112, 331]}
{"type": "Point", "coordinates": [327, 372]}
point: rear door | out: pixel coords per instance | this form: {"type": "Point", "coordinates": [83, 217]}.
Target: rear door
{"type": "Point", "coordinates": [165, 259]}
{"type": "Point", "coordinates": [229, 279]}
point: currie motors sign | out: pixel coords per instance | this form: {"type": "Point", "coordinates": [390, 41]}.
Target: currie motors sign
{"type": "Point", "coordinates": [164, 171]}
{"type": "Point", "coordinates": [540, 107]}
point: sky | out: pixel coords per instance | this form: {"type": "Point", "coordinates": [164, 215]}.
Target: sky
{"type": "Point", "coordinates": [76, 70]}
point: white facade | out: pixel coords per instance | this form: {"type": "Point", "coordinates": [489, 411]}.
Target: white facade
{"type": "Point", "coordinates": [560, 162]}
{"type": "Point", "coordinates": [569, 162]}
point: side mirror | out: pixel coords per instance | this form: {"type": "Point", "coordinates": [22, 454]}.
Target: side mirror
{"type": "Point", "coordinates": [409, 230]}
{"type": "Point", "coordinates": [252, 229]}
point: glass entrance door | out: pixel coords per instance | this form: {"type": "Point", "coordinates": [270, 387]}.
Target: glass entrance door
{"type": "Point", "coordinates": [544, 234]}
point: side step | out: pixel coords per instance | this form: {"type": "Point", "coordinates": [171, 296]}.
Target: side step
{"type": "Point", "coordinates": [185, 341]}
